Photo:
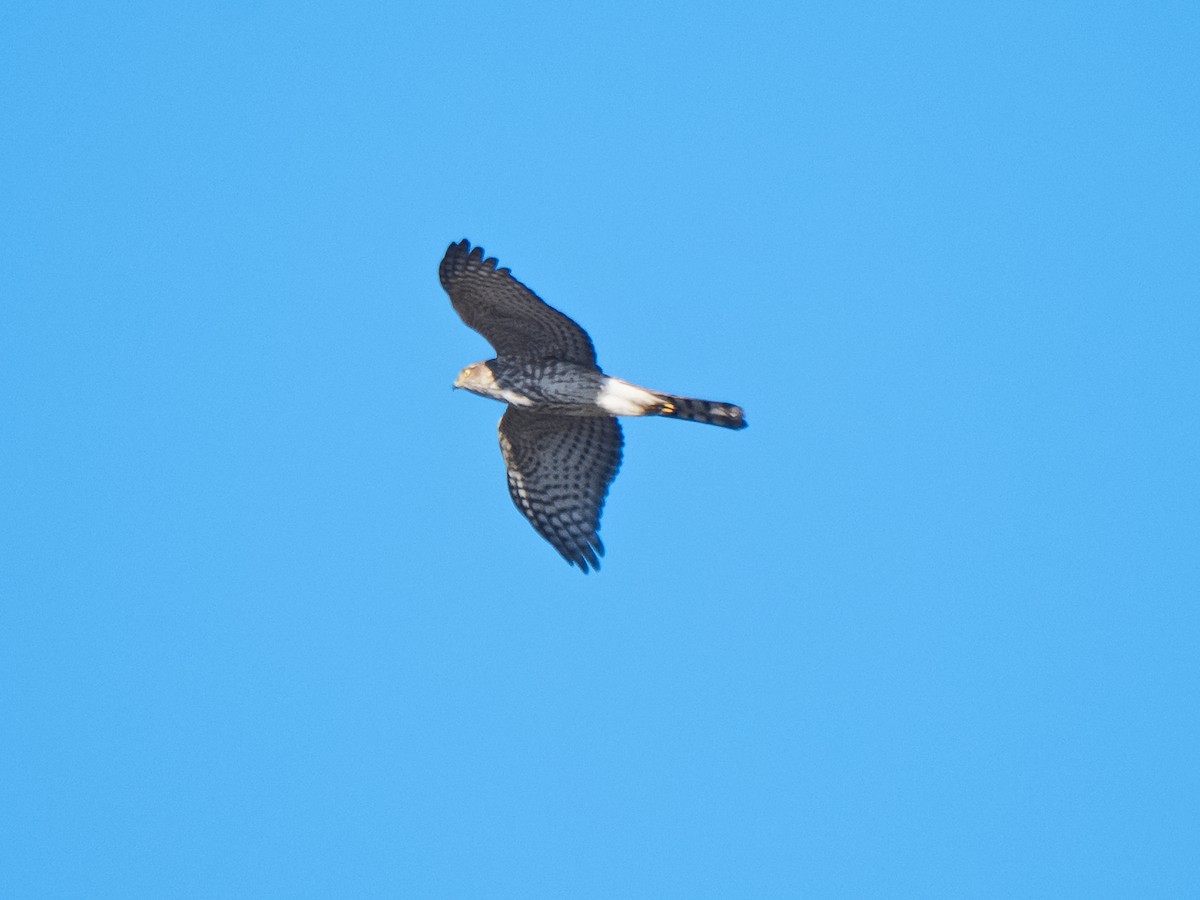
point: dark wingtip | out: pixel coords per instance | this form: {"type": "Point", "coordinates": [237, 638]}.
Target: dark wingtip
{"type": "Point", "coordinates": [462, 250]}
{"type": "Point", "coordinates": [461, 257]}
{"type": "Point", "coordinates": [587, 556]}
{"type": "Point", "coordinates": [458, 248]}
{"type": "Point", "coordinates": [453, 258]}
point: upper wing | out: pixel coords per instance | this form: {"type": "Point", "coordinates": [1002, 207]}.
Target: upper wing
{"type": "Point", "coordinates": [559, 470]}
{"type": "Point", "coordinates": [512, 317]}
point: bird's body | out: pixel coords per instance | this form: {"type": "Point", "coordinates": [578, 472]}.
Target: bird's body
{"type": "Point", "coordinates": [559, 436]}
{"type": "Point", "coordinates": [552, 385]}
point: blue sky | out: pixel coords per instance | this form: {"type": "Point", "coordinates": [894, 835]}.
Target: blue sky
{"type": "Point", "coordinates": [269, 623]}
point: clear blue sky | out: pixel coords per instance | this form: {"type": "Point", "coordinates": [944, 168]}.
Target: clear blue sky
{"type": "Point", "coordinates": [269, 623]}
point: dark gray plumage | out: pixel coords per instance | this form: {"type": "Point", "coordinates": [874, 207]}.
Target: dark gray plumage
{"type": "Point", "coordinates": [559, 438]}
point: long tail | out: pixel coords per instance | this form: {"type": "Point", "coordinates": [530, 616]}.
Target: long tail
{"type": "Point", "coordinates": [708, 411]}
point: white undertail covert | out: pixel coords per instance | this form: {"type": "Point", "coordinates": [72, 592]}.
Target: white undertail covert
{"type": "Point", "coordinates": [620, 398]}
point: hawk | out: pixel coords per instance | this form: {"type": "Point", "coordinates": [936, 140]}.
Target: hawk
{"type": "Point", "coordinates": [559, 434]}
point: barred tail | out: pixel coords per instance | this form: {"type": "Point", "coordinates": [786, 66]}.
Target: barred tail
{"type": "Point", "coordinates": [711, 413]}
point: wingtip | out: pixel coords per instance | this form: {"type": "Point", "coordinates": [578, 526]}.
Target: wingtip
{"type": "Point", "coordinates": [462, 252]}
{"type": "Point", "coordinates": [461, 257]}
{"type": "Point", "coordinates": [587, 556]}
{"type": "Point", "coordinates": [585, 567]}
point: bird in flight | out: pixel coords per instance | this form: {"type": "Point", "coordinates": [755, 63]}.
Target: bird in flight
{"type": "Point", "coordinates": [559, 434]}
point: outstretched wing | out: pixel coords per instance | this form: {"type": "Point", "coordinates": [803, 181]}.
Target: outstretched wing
{"type": "Point", "coordinates": [559, 470]}
{"type": "Point", "coordinates": [509, 315]}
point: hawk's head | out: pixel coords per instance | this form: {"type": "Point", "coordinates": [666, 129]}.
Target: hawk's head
{"type": "Point", "coordinates": [478, 378]}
